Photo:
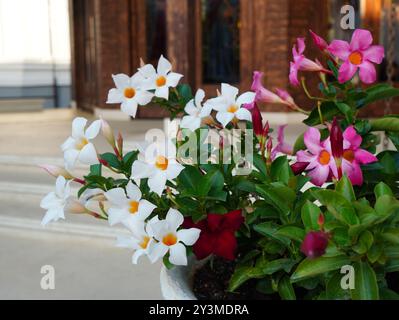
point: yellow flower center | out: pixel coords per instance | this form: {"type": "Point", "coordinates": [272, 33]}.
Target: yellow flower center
{"type": "Point", "coordinates": [129, 93]}
{"type": "Point", "coordinates": [133, 207]}
{"type": "Point", "coordinates": [144, 244]}
{"type": "Point", "coordinates": [356, 58]}
{"type": "Point", "coordinates": [81, 143]}
{"type": "Point", "coordinates": [232, 109]}
{"type": "Point", "coordinates": [170, 239]}
{"type": "Point", "coordinates": [324, 157]}
{"type": "Point", "coordinates": [349, 155]}
{"type": "Point", "coordinates": [161, 81]}
{"type": "Point", "coordinates": [161, 163]}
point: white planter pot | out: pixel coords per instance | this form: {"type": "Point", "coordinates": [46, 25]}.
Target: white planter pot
{"type": "Point", "coordinates": [177, 283]}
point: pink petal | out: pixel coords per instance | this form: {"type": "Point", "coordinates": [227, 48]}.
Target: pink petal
{"type": "Point", "coordinates": [340, 49]}
{"type": "Point", "coordinates": [364, 157]}
{"type": "Point", "coordinates": [346, 72]}
{"type": "Point", "coordinates": [361, 40]}
{"type": "Point", "coordinates": [374, 54]}
{"type": "Point", "coordinates": [356, 174]}
{"type": "Point", "coordinates": [352, 138]}
{"type": "Point", "coordinates": [257, 81]}
{"type": "Point", "coordinates": [301, 45]}
{"type": "Point", "coordinates": [319, 175]}
{"type": "Point", "coordinates": [309, 65]}
{"type": "Point", "coordinates": [264, 95]}
{"type": "Point", "coordinates": [319, 41]}
{"type": "Point", "coordinates": [294, 74]}
{"type": "Point", "coordinates": [367, 72]}
{"type": "Point", "coordinates": [304, 156]}
{"type": "Point", "coordinates": [312, 140]}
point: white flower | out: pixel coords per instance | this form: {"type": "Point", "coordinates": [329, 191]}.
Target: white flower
{"type": "Point", "coordinates": [159, 165]}
{"type": "Point", "coordinates": [196, 112]}
{"type": "Point", "coordinates": [78, 146]}
{"type": "Point", "coordinates": [141, 241]}
{"type": "Point", "coordinates": [170, 240]}
{"type": "Point", "coordinates": [229, 107]}
{"type": "Point", "coordinates": [127, 206]}
{"type": "Point", "coordinates": [95, 201]}
{"type": "Point", "coordinates": [129, 93]}
{"type": "Point", "coordinates": [55, 202]}
{"type": "Point", "coordinates": [161, 79]}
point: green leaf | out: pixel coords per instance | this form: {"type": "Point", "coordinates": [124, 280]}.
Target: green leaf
{"type": "Point", "coordinates": [366, 287]}
{"type": "Point", "coordinates": [270, 267]}
{"type": "Point", "coordinates": [112, 160]}
{"type": "Point", "coordinates": [241, 275]}
{"type": "Point", "coordinates": [388, 294]}
{"type": "Point", "coordinates": [281, 170]}
{"type": "Point", "coordinates": [291, 232]}
{"type": "Point", "coordinates": [269, 230]}
{"type": "Point", "coordinates": [392, 265]}
{"type": "Point", "coordinates": [345, 188]}
{"type": "Point", "coordinates": [334, 289]}
{"type": "Point", "coordinates": [299, 144]}
{"type": "Point", "coordinates": [285, 289]}
{"type": "Point", "coordinates": [314, 267]}
{"type": "Point", "coordinates": [382, 189]}
{"type": "Point", "coordinates": [374, 253]}
{"type": "Point", "coordinates": [328, 109]}
{"type": "Point", "coordinates": [380, 91]}
{"type": "Point", "coordinates": [385, 206]}
{"type": "Point", "coordinates": [310, 214]}
{"type": "Point", "coordinates": [338, 205]}
{"type": "Point", "coordinates": [385, 124]}
{"type": "Point", "coordinates": [346, 111]}
{"type": "Point", "coordinates": [95, 170]}
{"type": "Point", "coordinates": [278, 195]}
{"type": "Point", "coordinates": [391, 235]}
{"type": "Point", "coordinates": [365, 242]}
{"type": "Point", "coordinates": [260, 164]}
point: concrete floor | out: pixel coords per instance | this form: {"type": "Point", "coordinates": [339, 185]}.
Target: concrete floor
{"type": "Point", "coordinates": [87, 264]}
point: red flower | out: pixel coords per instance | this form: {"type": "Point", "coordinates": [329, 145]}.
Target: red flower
{"type": "Point", "coordinates": [217, 234]}
{"type": "Point", "coordinates": [315, 243]}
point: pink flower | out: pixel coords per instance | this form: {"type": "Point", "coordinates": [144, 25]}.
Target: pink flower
{"type": "Point", "coordinates": [282, 146]}
{"type": "Point", "coordinates": [319, 41]}
{"type": "Point", "coordinates": [358, 55]}
{"type": "Point", "coordinates": [315, 244]}
{"type": "Point", "coordinates": [264, 95]}
{"type": "Point", "coordinates": [318, 156]}
{"type": "Point", "coordinates": [353, 156]}
{"type": "Point", "coordinates": [301, 63]}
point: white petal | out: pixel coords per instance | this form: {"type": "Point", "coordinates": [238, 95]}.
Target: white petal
{"type": "Point", "coordinates": [205, 111]}
{"type": "Point", "coordinates": [114, 96]}
{"type": "Point", "coordinates": [224, 117]}
{"type": "Point", "coordinates": [70, 158]}
{"type": "Point", "coordinates": [172, 79]}
{"type": "Point", "coordinates": [53, 215]}
{"type": "Point", "coordinates": [141, 170]}
{"type": "Point", "coordinates": [243, 114]}
{"type": "Point", "coordinates": [121, 80]}
{"type": "Point", "coordinates": [133, 191]}
{"type": "Point", "coordinates": [136, 80]}
{"type": "Point", "coordinates": [173, 170]}
{"type": "Point", "coordinates": [199, 97]}
{"type": "Point", "coordinates": [157, 183]}
{"type": "Point", "coordinates": [174, 219]}
{"type": "Point", "coordinates": [159, 229]}
{"type": "Point", "coordinates": [159, 251]}
{"type": "Point", "coordinates": [78, 127]}
{"type": "Point", "coordinates": [147, 71]}
{"type": "Point", "coordinates": [68, 144]}
{"type": "Point", "coordinates": [190, 122]}
{"type": "Point", "coordinates": [164, 66]}
{"type": "Point", "coordinates": [49, 200]}
{"type": "Point", "coordinates": [116, 196]}
{"type": "Point", "coordinates": [229, 91]}
{"type": "Point", "coordinates": [218, 104]}
{"type": "Point", "coordinates": [246, 97]}
{"type": "Point", "coordinates": [88, 155]}
{"type": "Point", "coordinates": [188, 236]}
{"type": "Point", "coordinates": [178, 255]}
{"type": "Point", "coordinates": [136, 255]}
{"type": "Point", "coordinates": [129, 107]}
{"type": "Point", "coordinates": [93, 130]}
{"type": "Point", "coordinates": [190, 108]}
{"type": "Point", "coordinates": [117, 215]}
{"type": "Point", "coordinates": [60, 186]}
{"type": "Point", "coordinates": [162, 92]}
{"type": "Point", "coordinates": [146, 208]}
{"type": "Point", "coordinates": [143, 97]}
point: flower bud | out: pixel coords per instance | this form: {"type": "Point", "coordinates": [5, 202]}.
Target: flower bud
{"type": "Point", "coordinates": [319, 41]}
{"type": "Point", "coordinates": [299, 167]}
{"type": "Point", "coordinates": [257, 120]}
{"type": "Point", "coordinates": [320, 221]}
{"type": "Point", "coordinates": [315, 244]}
{"type": "Point", "coordinates": [337, 140]}
{"type": "Point", "coordinates": [56, 171]}
{"type": "Point", "coordinates": [108, 133]}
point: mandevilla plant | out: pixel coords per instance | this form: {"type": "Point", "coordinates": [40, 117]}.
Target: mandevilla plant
{"type": "Point", "coordinates": [289, 218]}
